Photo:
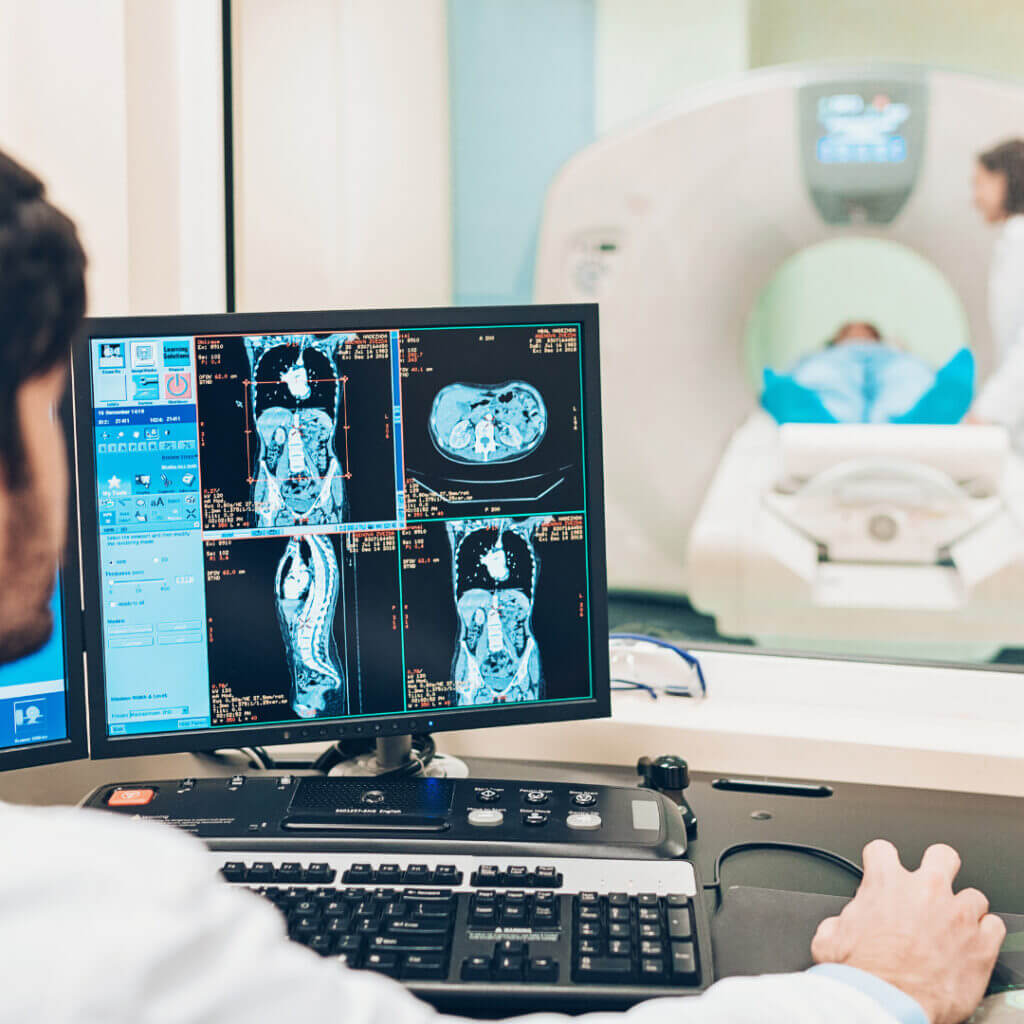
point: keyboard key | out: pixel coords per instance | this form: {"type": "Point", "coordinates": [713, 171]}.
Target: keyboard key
{"type": "Point", "coordinates": [408, 943]}
{"type": "Point", "coordinates": [647, 899]}
{"type": "Point", "coordinates": [321, 944]}
{"type": "Point", "coordinates": [424, 966]}
{"type": "Point", "coordinates": [320, 872]}
{"type": "Point", "coordinates": [591, 947]}
{"type": "Point", "coordinates": [650, 931]}
{"type": "Point", "coordinates": [417, 874]}
{"type": "Point", "coordinates": [440, 910]}
{"type": "Point", "coordinates": [487, 874]}
{"type": "Point", "coordinates": [652, 949]}
{"type": "Point", "coordinates": [678, 899]}
{"type": "Point", "coordinates": [652, 970]}
{"type": "Point", "coordinates": [358, 873]}
{"type": "Point", "coordinates": [511, 947]}
{"type": "Point", "coordinates": [648, 915]}
{"type": "Point", "coordinates": [366, 925]}
{"type": "Point", "coordinates": [547, 876]}
{"type": "Point", "coordinates": [518, 874]}
{"type": "Point", "coordinates": [618, 899]}
{"type": "Point", "coordinates": [304, 928]}
{"type": "Point", "coordinates": [589, 930]}
{"type": "Point", "coordinates": [620, 947]}
{"type": "Point", "coordinates": [234, 871]}
{"type": "Point", "coordinates": [619, 914]}
{"type": "Point", "coordinates": [306, 908]}
{"type": "Point", "coordinates": [544, 915]}
{"type": "Point", "coordinates": [514, 913]}
{"type": "Point", "coordinates": [290, 872]}
{"type": "Point", "coordinates": [348, 944]}
{"type": "Point", "coordinates": [508, 968]}
{"type": "Point", "coordinates": [414, 927]}
{"type": "Point", "coordinates": [684, 961]}
{"type": "Point", "coordinates": [679, 924]}
{"type": "Point", "coordinates": [261, 871]}
{"type": "Point", "coordinates": [588, 899]}
{"type": "Point", "coordinates": [397, 908]}
{"type": "Point", "coordinates": [603, 968]}
{"type": "Point", "coordinates": [618, 931]}
{"type": "Point", "coordinates": [486, 915]}
{"type": "Point", "coordinates": [388, 873]}
{"type": "Point", "coordinates": [476, 968]}
{"type": "Point", "coordinates": [338, 925]}
{"type": "Point", "coordinates": [385, 963]}
{"type": "Point", "coordinates": [447, 874]}
{"type": "Point", "coordinates": [544, 899]}
{"type": "Point", "coordinates": [542, 968]}
{"type": "Point", "coordinates": [592, 914]}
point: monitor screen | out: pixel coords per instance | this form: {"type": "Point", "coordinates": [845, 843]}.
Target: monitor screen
{"type": "Point", "coordinates": [855, 128]}
{"type": "Point", "coordinates": [42, 696]}
{"type": "Point", "coordinates": [326, 525]}
{"type": "Point", "coordinates": [32, 706]}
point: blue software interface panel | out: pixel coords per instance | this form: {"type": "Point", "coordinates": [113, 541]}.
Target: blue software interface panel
{"type": "Point", "coordinates": [32, 703]}
{"type": "Point", "coordinates": [320, 526]}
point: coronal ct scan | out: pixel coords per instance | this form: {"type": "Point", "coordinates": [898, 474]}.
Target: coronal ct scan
{"type": "Point", "coordinates": [307, 585]}
{"type": "Point", "coordinates": [475, 424]}
{"type": "Point", "coordinates": [494, 571]}
{"type": "Point", "coordinates": [295, 398]}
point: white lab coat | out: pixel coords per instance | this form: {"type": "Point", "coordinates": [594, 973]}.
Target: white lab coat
{"type": "Point", "coordinates": [106, 920]}
{"type": "Point", "coordinates": [1002, 397]}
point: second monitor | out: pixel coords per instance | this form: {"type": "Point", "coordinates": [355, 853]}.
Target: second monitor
{"type": "Point", "coordinates": [306, 526]}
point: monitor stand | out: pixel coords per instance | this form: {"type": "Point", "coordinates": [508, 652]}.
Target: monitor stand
{"type": "Point", "coordinates": [395, 754]}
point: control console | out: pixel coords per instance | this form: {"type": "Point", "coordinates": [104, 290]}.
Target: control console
{"type": "Point", "coordinates": [478, 816]}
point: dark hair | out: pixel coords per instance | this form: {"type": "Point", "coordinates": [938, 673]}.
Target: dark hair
{"type": "Point", "coordinates": [42, 297]}
{"type": "Point", "coordinates": [1007, 159]}
{"type": "Point", "coordinates": [841, 331]}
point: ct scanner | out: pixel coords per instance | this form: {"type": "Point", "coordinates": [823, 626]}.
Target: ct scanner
{"type": "Point", "coordinates": [869, 539]}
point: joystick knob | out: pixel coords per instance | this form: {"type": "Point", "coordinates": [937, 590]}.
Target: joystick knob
{"type": "Point", "coordinates": [666, 772]}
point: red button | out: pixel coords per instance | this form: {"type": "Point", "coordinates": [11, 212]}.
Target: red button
{"type": "Point", "coordinates": [130, 797]}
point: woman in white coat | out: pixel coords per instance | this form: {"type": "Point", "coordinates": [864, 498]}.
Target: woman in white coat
{"type": "Point", "coordinates": [999, 197]}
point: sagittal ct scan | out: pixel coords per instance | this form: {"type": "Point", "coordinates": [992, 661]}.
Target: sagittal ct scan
{"type": "Point", "coordinates": [474, 424]}
{"type": "Point", "coordinates": [307, 595]}
{"type": "Point", "coordinates": [295, 396]}
{"type": "Point", "coordinates": [494, 571]}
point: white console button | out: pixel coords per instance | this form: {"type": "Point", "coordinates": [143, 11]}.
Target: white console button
{"type": "Point", "coordinates": [485, 817]}
{"type": "Point", "coordinates": [583, 819]}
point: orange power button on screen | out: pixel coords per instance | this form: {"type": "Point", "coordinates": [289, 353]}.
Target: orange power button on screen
{"type": "Point", "coordinates": [130, 797]}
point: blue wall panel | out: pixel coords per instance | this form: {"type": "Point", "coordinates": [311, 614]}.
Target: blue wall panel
{"type": "Point", "coordinates": [522, 102]}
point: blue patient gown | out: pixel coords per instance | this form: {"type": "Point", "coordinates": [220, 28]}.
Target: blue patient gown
{"type": "Point", "coordinates": [869, 383]}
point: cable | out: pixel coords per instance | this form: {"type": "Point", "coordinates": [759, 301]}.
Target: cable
{"type": "Point", "coordinates": [811, 851]}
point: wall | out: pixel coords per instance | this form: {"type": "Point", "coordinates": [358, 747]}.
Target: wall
{"type": "Point", "coordinates": [341, 154]}
{"type": "Point", "coordinates": [977, 35]}
{"type": "Point", "coordinates": [117, 106]}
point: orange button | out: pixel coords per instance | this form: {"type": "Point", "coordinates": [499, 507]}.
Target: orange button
{"type": "Point", "coordinates": [130, 797]}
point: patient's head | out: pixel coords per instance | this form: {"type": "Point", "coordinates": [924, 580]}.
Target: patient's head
{"type": "Point", "coordinates": [855, 330]}
{"type": "Point", "coordinates": [998, 181]}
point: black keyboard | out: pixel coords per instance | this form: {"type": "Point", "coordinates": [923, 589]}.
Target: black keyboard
{"type": "Point", "coordinates": [529, 932]}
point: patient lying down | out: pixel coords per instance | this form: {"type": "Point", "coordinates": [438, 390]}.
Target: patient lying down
{"type": "Point", "coordinates": [860, 378]}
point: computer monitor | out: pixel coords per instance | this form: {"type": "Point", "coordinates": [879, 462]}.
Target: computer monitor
{"type": "Point", "coordinates": [42, 696]}
{"type": "Point", "coordinates": [331, 525]}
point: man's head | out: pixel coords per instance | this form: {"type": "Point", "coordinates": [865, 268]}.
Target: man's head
{"type": "Point", "coordinates": [42, 302]}
{"type": "Point", "coordinates": [998, 182]}
{"type": "Point", "coordinates": [855, 330]}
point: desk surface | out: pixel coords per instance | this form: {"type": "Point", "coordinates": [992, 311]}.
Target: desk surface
{"type": "Point", "coordinates": [988, 831]}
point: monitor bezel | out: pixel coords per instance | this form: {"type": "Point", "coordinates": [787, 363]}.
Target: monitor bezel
{"type": "Point", "coordinates": [74, 746]}
{"type": "Point", "coordinates": [102, 745]}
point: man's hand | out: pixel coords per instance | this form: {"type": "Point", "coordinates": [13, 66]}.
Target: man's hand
{"type": "Point", "coordinates": [909, 929]}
